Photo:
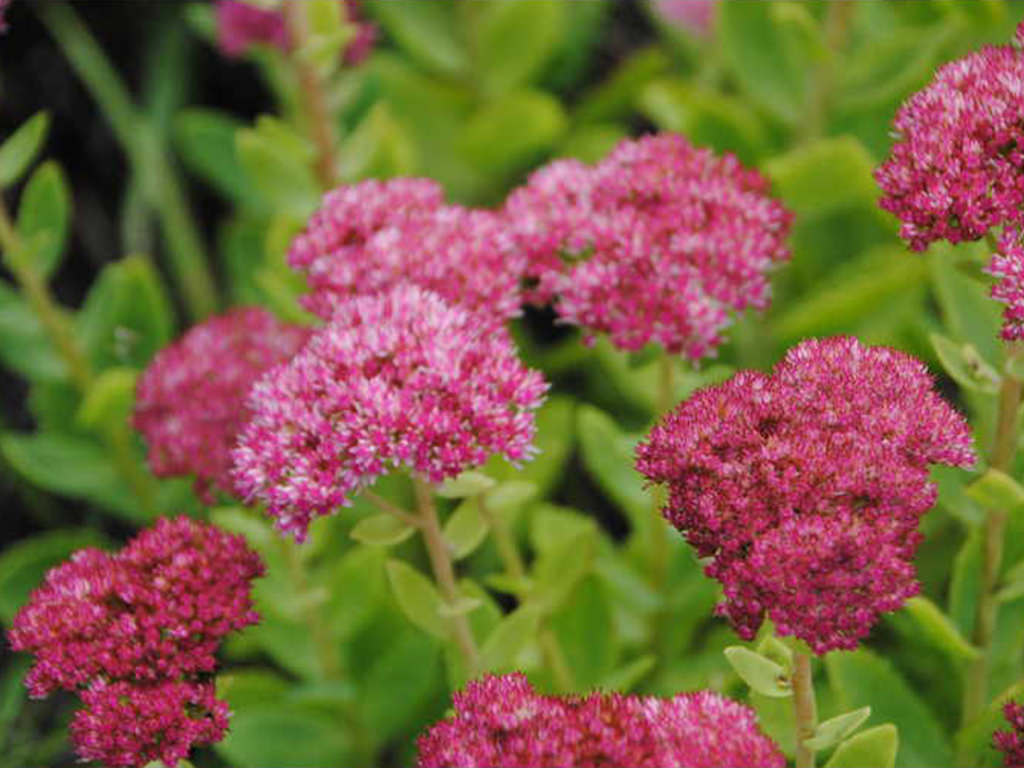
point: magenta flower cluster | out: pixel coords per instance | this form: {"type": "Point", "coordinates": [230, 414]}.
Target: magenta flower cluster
{"type": "Point", "coordinates": [1011, 742]}
{"type": "Point", "coordinates": [805, 486]}
{"type": "Point", "coordinates": [503, 721]}
{"type": "Point", "coordinates": [1007, 265]}
{"type": "Point", "coordinates": [190, 401]}
{"type": "Point", "coordinates": [369, 237]}
{"type": "Point", "coordinates": [396, 379]}
{"type": "Point", "coordinates": [956, 170]}
{"type": "Point", "coordinates": [135, 633]}
{"type": "Point", "coordinates": [242, 24]}
{"type": "Point", "coordinates": [658, 242]}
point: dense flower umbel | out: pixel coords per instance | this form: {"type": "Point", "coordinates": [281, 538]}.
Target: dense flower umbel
{"type": "Point", "coordinates": [657, 242]}
{"type": "Point", "coordinates": [369, 237]}
{"type": "Point", "coordinates": [125, 724]}
{"type": "Point", "coordinates": [190, 401]}
{"type": "Point", "coordinates": [1008, 265]}
{"type": "Point", "coordinates": [957, 167]}
{"type": "Point", "coordinates": [502, 721]}
{"type": "Point", "coordinates": [394, 379]}
{"type": "Point", "coordinates": [805, 486]}
{"type": "Point", "coordinates": [156, 610]}
{"type": "Point", "coordinates": [1011, 743]}
{"type": "Point", "coordinates": [241, 24]}
{"type": "Point", "coordinates": [135, 634]}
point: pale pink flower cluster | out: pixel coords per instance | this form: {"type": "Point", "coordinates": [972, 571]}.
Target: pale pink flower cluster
{"type": "Point", "coordinates": [369, 237]}
{"type": "Point", "coordinates": [805, 486]}
{"type": "Point", "coordinates": [395, 379]}
{"type": "Point", "coordinates": [658, 242]}
{"type": "Point", "coordinates": [503, 721]}
{"type": "Point", "coordinates": [241, 24]}
{"type": "Point", "coordinates": [956, 170]}
{"type": "Point", "coordinates": [135, 633]}
{"type": "Point", "coordinates": [190, 401]}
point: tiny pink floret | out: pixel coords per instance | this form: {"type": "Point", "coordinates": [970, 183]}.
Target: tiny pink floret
{"type": "Point", "coordinates": [503, 721]}
{"type": "Point", "coordinates": [805, 486]}
{"type": "Point", "coordinates": [190, 401]}
{"type": "Point", "coordinates": [397, 379]}
{"type": "Point", "coordinates": [658, 242]}
{"type": "Point", "coordinates": [1011, 742]}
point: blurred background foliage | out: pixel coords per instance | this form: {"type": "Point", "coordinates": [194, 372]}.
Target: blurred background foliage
{"type": "Point", "coordinates": [159, 182]}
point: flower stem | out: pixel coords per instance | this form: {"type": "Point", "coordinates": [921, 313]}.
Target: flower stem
{"type": "Point", "coordinates": [1001, 458]}
{"type": "Point", "coordinates": [318, 116]}
{"type": "Point", "coordinates": [550, 647]}
{"type": "Point", "coordinates": [804, 707]}
{"type": "Point", "coordinates": [386, 506]}
{"type": "Point", "coordinates": [444, 573]}
{"type": "Point", "coordinates": [162, 187]}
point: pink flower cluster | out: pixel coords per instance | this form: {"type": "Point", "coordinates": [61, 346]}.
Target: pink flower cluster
{"type": "Point", "coordinates": [368, 237]}
{"type": "Point", "coordinates": [503, 721]}
{"type": "Point", "coordinates": [1008, 265]}
{"type": "Point", "coordinates": [656, 243]}
{"type": "Point", "coordinates": [241, 24]}
{"type": "Point", "coordinates": [805, 486]}
{"type": "Point", "coordinates": [957, 168]}
{"type": "Point", "coordinates": [695, 16]}
{"type": "Point", "coordinates": [401, 378]}
{"type": "Point", "coordinates": [1011, 743]}
{"type": "Point", "coordinates": [135, 633]}
{"type": "Point", "coordinates": [190, 401]}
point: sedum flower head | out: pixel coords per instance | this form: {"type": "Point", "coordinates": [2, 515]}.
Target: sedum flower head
{"type": "Point", "coordinates": [123, 724]}
{"type": "Point", "coordinates": [190, 401]}
{"type": "Point", "coordinates": [956, 170]}
{"type": "Point", "coordinates": [1007, 265]}
{"type": "Point", "coordinates": [805, 486]}
{"type": "Point", "coordinates": [396, 379]}
{"type": "Point", "coordinates": [503, 721]}
{"type": "Point", "coordinates": [1011, 742]}
{"type": "Point", "coordinates": [369, 237]}
{"type": "Point", "coordinates": [241, 24]}
{"type": "Point", "coordinates": [658, 242]}
{"type": "Point", "coordinates": [135, 633]}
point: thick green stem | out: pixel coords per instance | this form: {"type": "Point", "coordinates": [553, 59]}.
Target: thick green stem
{"type": "Point", "coordinates": [1001, 457]}
{"type": "Point", "coordinates": [804, 708]}
{"type": "Point", "coordinates": [149, 160]}
{"type": "Point", "coordinates": [320, 122]}
{"type": "Point", "coordinates": [550, 647]}
{"type": "Point", "coordinates": [444, 574]}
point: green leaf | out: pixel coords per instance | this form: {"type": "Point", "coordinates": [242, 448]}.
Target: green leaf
{"type": "Point", "coordinates": [283, 176]}
{"type": "Point", "coordinates": [460, 607]}
{"type": "Point", "coordinates": [511, 133]}
{"type": "Point", "coordinates": [969, 314]}
{"type": "Point", "coordinates": [383, 530]}
{"type": "Point", "coordinates": [835, 729]}
{"type": "Point", "coordinates": [928, 624]}
{"type": "Point", "coordinates": [206, 141]}
{"type": "Point", "coordinates": [825, 176]}
{"type": "Point", "coordinates": [84, 470]}
{"type": "Point", "coordinates": [466, 528]}
{"type": "Point", "coordinates": [555, 440]}
{"type": "Point", "coordinates": [24, 562]}
{"type": "Point", "coordinates": [417, 597]}
{"type": "Point", "coordinates": [586, 631]}
{"type": "Point", "coordinates": [379, 147]}
{"type": "Point", "coordinates": [127, 315]}
{"type": "Point", "coordinates": [513, 40]}
{"type": "Point", "coordinates": [510, 495]}
{"type": "Point", "coordinates": [964, 365]}
{"type": "Point", "coordinates": [356, 588]}
{"type": "Point", "coordinates": [966, 583]}
{"type": "Point", "coordinates": [608, 456]}
{"type": "Point", "coordinates": [626, 677]}
{"type": "Point", "coordinates": [44, 209]}
{"type": "Point", "coordinates": [24, 344]}
{"type": "Point", "coordinates": [759, 672]}
{"type": "Point", "coordinates": [21, 147]}
{"type": "Point", "coordinates": [108, 403]}
{"type": "Point", "coordinates": [875, 747]}
{"type": "Point", "coordinates": [426, 31]}
{"type": "Point", "coordinates": [560, 568]}
{"type": "Point", "coordinates": [615, 97]}
{"type": "Point", "coordinates": [860, 678]}
{"type": "Point", "coordinates": [774, 649]}
{"type": "Point", "coordinates": [469, 483]}
{"type": "Point", "coordinates": [996, 490]}
{"type": "Point", "coordinates": [499, 651]}
{"type": "Point", "coordinates": [766, 56]}
{"type": "Point", "coordinates": [284, 735]}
